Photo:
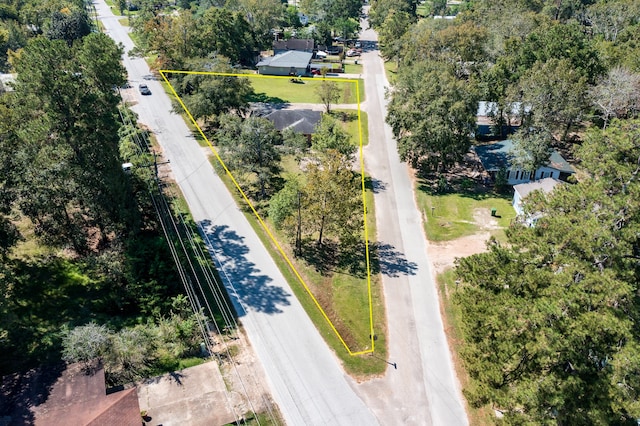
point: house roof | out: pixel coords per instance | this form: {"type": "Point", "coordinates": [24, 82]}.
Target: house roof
{"type": "Point", "coordinates": [486, 108]}
{"type": "Point", "coordinates": [66, 395]}
{"type": "Point", "coordinates": [497, 155]}
{"type": "Point", "coordinates": [294, 44]}
{"type": "Point", "coordinates": [545, 185]}
{"type": "Point", "coordinates": [7, 81]}
{"type": "Point", "coordinates": [299, 120]}
{"type": "Point", "coordinates": [291, 58]}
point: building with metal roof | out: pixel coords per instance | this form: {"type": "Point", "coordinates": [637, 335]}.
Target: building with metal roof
{"type": "Point", "coordinates": [292, 63]}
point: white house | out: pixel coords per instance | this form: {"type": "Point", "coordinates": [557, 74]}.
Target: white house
{"type": "Point", "coordinates": [521, 191]}
{"type": "Point", "coordinates": [498, 155]}
{"type": "Point", "coordinates": [6, 82]}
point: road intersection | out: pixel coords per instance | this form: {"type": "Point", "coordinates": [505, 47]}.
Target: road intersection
{"type": "Point", "coordinates": [305, 377]}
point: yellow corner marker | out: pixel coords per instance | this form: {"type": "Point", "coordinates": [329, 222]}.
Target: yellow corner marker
{"type": "Point", "coordinates": [264, 226]}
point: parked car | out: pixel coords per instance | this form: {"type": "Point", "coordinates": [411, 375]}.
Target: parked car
{"type": "Point", "coordinates": [144, 89]}
{"type": "Point", "coordinates": [352, 52]}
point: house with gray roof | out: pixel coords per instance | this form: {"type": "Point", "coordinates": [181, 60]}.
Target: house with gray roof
{"type": "Point", "coordinates": [521, 191]}
{"type": "Point", "coordinates": [302, 121]}
{"type": "Point", "coordinates": [291, 63]}
{"type": "Point", "coordinates": [498, 155]}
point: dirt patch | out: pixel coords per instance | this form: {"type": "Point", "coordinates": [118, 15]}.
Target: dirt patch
{"type": "Point", "coordinates": [443, 254]}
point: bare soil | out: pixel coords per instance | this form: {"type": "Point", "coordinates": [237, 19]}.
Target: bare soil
{"type": "Point", "coordinates": [443, 254]}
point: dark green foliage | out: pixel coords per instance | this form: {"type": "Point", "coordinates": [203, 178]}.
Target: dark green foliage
{"type": "Point", "coordinates": [98, 255]}
{"type": "Point", "coordinates": [250, 146]}
{"type": "Point", "coordinates": [330, 135]}
{"type": "Point", "coordinates": [551, 330]}
{"type": "Point", "coordinates": [432, 114]}
{"type": "Point", "coordinates": [381, 9]}
{"type": "Point", "coordinates": [70, 182]}
{"type": "Point", "coordinates": [68, 26]}
{"type": "Point", "coordinates": [208, 96]}
{"type": "Point", "coordinates": [136, 352]}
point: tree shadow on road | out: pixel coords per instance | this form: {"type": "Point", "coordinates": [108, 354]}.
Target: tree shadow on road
{"type": "Point", "coordinates": [247, 286]}
{"type": "Point", "coordinates": [375, 185]}
{"type": "Point", "coordinates": [390, 262]}
{"type": "Point", "coordinates": [351, 259]}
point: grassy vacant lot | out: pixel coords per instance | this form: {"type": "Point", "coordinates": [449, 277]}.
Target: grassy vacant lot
{"type": "Point", "coordinates": [281, 90]}
{"type": "Point", "coordinates": [340, 286]}
{"type": "Point", "coordinates": [450, 215]}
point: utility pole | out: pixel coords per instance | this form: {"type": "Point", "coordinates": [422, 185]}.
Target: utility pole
{"type": "Point", "coordinates": [155, 163]}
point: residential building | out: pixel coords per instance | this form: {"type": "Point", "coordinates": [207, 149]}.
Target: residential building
{"type": "Point", "coordinates": [291, 63]}
{"type": "Point", "coordinates": [521, 191]}
{"type": "Point", "coordinates": [302, 45]}
{"type": "Point", "coordinates": [498, 155]}
{"type": "Point", "coordinates": [299, 120]}
{"type": "Point", "coordinates": [60, 395]}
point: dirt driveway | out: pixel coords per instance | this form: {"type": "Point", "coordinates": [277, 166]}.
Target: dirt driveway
{"type": "Point", "coordinates": [443, 254]}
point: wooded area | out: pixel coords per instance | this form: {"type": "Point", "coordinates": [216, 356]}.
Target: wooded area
{"type": "Point", "coordinates": [83, 256]}
{"type": "Point", "coordinates": [549, 318]}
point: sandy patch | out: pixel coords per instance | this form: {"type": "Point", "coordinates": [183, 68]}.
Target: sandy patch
{"type": "Point", "coordinates": [443, 254]}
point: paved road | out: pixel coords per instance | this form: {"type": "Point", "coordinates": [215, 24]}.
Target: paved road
{"type": "Point", "coordinates": [305, 378]}
{"type": "Point", "coordinates": [423, 390]}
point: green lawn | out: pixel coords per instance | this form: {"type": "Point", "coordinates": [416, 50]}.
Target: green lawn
{"type": "Point", "coordinates": [391, 69]}
{"type": "Point", "coordinates": [349, 118]}
{"type": "Point", "coordinates": [353, 68]}
{"type": "Point", "coordinates": [450, 216]}
{"type": "Point", "coordinates": [281, 90]}
{"type": "Point", "coordinates": [343, 294]}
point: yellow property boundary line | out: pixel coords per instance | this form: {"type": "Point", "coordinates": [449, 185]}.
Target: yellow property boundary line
{"type": "Point", "coordinates": [264, 226]}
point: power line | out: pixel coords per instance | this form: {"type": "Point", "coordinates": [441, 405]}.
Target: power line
{"type": "Point", "coordinates": [205, 269]}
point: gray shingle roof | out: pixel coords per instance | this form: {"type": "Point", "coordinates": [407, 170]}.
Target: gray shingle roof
{"type": "Point", "coordinates": [294, 44]}
{"type": "Point", "coordinates": [299, 120]}
{"type": "Point", "coordinates": [497, 155]}
{"type": "Point", "coordinates": [292, 58]}
{"type": "Point", "coordinates": [546, 185]}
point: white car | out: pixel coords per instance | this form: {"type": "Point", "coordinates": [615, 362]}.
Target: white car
{"type": "Point", "coordinates": [351, 52]}
{"type": "Point", "coordinates": [144, 89]}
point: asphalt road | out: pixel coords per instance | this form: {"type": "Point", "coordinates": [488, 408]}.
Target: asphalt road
{"type": "Point", "coordinates": [305, 377]}
{"type": "Point", "coordinates": [423, 389]}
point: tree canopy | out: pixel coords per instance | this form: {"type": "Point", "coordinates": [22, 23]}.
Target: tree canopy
{"type": "Point", "coordinates": [250, 146]}
{"type": "Point", "coordinates": [432, 114]}
{"type": "Point", "coordinates": [550, 333]}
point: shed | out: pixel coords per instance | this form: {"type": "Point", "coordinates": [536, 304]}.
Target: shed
{"type": "Point", "coordinates": [288, 63]}
{"type": "Point", "coordinates": [520, 191]}
{"type": "Point", "coordinates": [497, 155]}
